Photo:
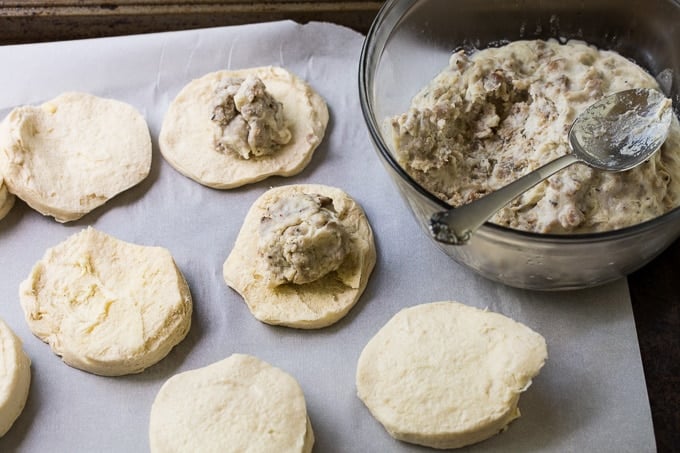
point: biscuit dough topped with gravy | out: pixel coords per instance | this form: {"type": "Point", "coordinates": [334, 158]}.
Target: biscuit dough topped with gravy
{"type": "Point", "coordinates": [499, 113]}
{"type": "Point", "coordinates": [303, 256]}
{"type": "Point", "coordinates": [301, 239]}
{"type": "Point", "coordinates": [231, 128]}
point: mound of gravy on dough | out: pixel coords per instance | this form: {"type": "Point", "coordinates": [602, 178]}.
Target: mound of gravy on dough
{"type": "Point", "coordinates": [301, 239]}
{"type": "Point", "coordinates": [251, 120]}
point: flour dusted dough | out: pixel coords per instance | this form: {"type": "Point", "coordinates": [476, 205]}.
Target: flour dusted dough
{"type": "Point", "coordinates": [240, 404]}
{"type": "Point", "coordinates": [6, 199]}
{"type": "Point", "coordinates": [107, 306]}
{"type": "Point", "coordinates": [15, 378]}
{"type": "Point", "coordinates": [73, 153]}
{"type": "Point", "coordinates": [311, 305]}
{"type": "Point", "coordinates": [188, 136]}
{"type": "Point", "coordinates": [446, 375]}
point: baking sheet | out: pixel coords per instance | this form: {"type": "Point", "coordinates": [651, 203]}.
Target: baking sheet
{"type": "Point", "coordinates": [590, 396]}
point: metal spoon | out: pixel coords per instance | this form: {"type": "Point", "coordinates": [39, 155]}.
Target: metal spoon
{"type": "Point", "coordinates": [617, 133]}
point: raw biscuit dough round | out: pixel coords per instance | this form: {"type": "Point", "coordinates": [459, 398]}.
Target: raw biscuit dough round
{"type": "Point", "coordinates": [446, 375]}
{"type": "Point", "coordinates": [187, 137]}
{"type": "Point", "coordinates": [107, 306]}
{"type": "Point", "coordinates": [239, 404]}
{"type": "Point", "coordinates": [74, 153]}
{"type": "Point", "coordinates": [312, 305]}
{"type": "Point", "coordinates": [15, 378]}
{"type": "Point", "coordinates": [6, 199]}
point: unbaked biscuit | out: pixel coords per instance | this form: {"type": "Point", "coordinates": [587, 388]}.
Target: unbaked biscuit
{"type": "Point", "coordinates": [446, 375]}
{"type": "Point", "coordinates": [6, 199]}
{"type": "Point", "coordinates": [198, 135]}
{"type": "Point", "coordinates": [73, 153]}
{"type": "Point", "coordinates": [276, 260]}
{"type": "Point", "coordinates": [107, 306]}
{"type": "Point", "coordinates": [15, 378]}
{"type": "Point", "coordinates": [238, 404]}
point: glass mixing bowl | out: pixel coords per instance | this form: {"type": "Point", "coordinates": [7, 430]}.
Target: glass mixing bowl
{"type": "Point", "coordinates": [411, 41]}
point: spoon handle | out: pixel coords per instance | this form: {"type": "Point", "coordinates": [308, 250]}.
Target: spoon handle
{"type": "Point", "coordinates": [456, 225]}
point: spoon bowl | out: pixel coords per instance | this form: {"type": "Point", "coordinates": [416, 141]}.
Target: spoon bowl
{"type": "Point", "coordinates": [616, 133]}
{"type": "Point", "coordinates": [621, 130]}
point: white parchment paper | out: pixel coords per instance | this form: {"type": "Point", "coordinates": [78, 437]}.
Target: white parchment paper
{"type": "Point", "coordinates": [590, 396]}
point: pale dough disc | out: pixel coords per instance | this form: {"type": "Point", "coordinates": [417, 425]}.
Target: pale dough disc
{"type": "Point", "coordinates": [239, 404]}
{"type": "Point", "coordinates": [15, 378]}
{"type": "Point", "coordinates": [446, 375]}
{"type": "Point", "coordinates": [6, 199]}
{"type": "Point", "coordinates": [73, 153]}
{"type": "Point", "coordinates": [107, 306]}
{"type": "Point", "coordinates": [311, 305]}
{"type": "Point", "coordinates": [187, 138]}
